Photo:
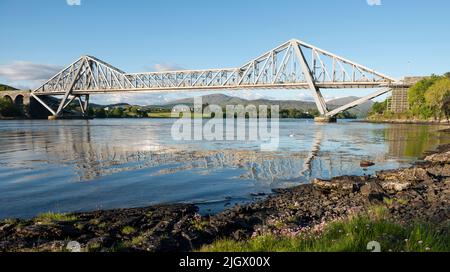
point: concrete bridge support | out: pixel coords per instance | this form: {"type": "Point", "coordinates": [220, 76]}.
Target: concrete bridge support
{"type": "Point", "coordinates": [325, 119]}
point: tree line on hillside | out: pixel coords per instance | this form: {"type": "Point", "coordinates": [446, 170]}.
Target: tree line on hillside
{"type": "Point", "coordinates": [428, 99]}
{"type": "Point", "coordinates": [4, 87]}
{"type": "Point", "coordinates": [158, 112]}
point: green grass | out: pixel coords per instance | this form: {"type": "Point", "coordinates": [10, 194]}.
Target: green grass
{"type": "Point", "coordinates": [138, 240]}
{"type": "Point", "coordinates": [199, 225]}
{"type": "Point", "coordinates": [51, 217]}
{"type": "Point", "coordinates": [351, 235]}
{"type": "Point", "coordinates": [128, 230]}
{"type": "Point", "coordinates": [159, 115]}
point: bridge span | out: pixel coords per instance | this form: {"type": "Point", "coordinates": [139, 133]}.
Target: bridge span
{"type": "Point", "coordinates": [292, 65]}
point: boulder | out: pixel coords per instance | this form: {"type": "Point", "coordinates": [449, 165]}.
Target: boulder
{"type": "Point", "coordinates": [370, 188]}
{"type": "Point", "coordinates": [395, 186]}
{"type": "Point", "coordinates": [373, 191]}
{"type": "Point", "coordinates": [414, 174]}
{"type": "Point", "coordinates": [344, 184]}
{"type": "Point", "coordinates": [440, 171]}
{"type": "Point", "coordinates": [365, 164]}
{"type": "Point", "coordinates": [439, 158]}
{"type": "Point", "coordinates": [400, 180]}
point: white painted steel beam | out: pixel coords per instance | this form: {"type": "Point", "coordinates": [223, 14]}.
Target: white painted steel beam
{"type": "Point", "coordinates": [284, 67]}
{"type": "Point", "coordinates": [358, 102]}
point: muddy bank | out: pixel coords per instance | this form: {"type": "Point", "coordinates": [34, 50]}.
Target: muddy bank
{"type": "Point", "coordinates": [421, 192]}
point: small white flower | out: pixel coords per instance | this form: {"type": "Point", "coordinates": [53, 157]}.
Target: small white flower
{"type": "Point", "coordinates": [420, 242]}
{"type": "Point", "coordinates": [427, 249]}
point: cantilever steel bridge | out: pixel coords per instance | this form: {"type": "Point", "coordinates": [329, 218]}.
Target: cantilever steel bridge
{"type": "Point", "coordinates": [292, 65]}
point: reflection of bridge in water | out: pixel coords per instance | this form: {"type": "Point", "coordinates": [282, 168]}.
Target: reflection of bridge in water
{"type": "Point", "coordinates": [408, 140]}
{"type": "Point", "coordinates": [292, 65]}
{"type": "Point", "coordinates": [79, 148]}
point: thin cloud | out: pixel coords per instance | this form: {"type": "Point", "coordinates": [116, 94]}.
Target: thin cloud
{"type": "Point", "coordinates": [27, 75]}
{"type": "Point", "coordinates": [164, 67]}
{"type": "Point", "coordinates": [374, 2]}
{"type": "Point", "coordinates": [28, 71]}
{"type": "Point", "coordinates": [73, 2]}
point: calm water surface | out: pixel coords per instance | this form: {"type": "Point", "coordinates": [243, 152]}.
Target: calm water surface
{"type": "Point", "coordinates": [78, 165]}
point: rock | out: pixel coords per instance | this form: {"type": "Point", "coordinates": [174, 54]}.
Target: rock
{"type": "Point", "coordinates": [365, 164]}
{"type": "Point", "coordinates": [440, 171]}
{"type": "Point", "coordinates": [342, 185]}
{"type": "Point", "coordinates": [400, 180]}
{"type": "Point", "coordinates": [6, 227]}
{"type": "Point", "coordinates": [409, 174]}
{"type": "Point", "coordinates": [396, 186]}
{"type": "Point", "coordinates": [371, 188]}
{"type": "Point", "coordinates": [53, 246]}
{"type": "Point", "coordinates": [373, 191]}
{"type": "Point", "coordinates": [258, 194]}
{"type": "Point", "coordinates": [439, 158]}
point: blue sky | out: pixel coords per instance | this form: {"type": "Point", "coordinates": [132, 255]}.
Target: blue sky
{"type": "Point", "coordinates": [398, 37]}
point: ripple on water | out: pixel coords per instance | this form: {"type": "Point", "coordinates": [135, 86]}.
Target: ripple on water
{"type": "Point", "coordinates": [84, 165]}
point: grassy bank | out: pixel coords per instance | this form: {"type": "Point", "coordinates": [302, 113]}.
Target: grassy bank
{"type": "Point", "coordinates": [350, 235]}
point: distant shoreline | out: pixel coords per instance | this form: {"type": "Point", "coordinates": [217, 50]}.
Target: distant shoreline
{"type": "Point", "coordinates": [410, 122]}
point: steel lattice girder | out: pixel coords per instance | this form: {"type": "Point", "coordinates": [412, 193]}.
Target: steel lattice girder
{"type": "Point", "coordinates": [292, 65]}
{"type": "Point", "coordinates": [278, 68]}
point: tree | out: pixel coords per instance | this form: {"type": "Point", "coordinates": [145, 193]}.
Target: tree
{"type": "Point", "coordinates": [378, 108]}
{"type": "Point", "coordinates": [416, 96]}
{"type": "Point", "coordinates": [346, 115]}
{"type": "Point", "coordinates": [101, 113]}
{"type": "Point", "coordinates": [91, 112]}
{"type": "Point", "coordinates": [116, 113]}
{"type": "Point", "coordinates": [9, 109]}
{"type": "Point", "coordinates": [437, 97]}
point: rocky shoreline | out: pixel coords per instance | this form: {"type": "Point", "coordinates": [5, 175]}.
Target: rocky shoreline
{"type": "Point", "coordinates": [418, 193]}
{"type": "Point", "coordinates": [408, 121]}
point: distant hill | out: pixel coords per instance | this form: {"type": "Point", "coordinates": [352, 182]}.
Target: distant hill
{"type": "Point", "coordinates": [118, 105]}
{"type": "Point", "coordinates": [223, 100]}
{"type": "Point", "coordinates": [4, 87]}
{"type": "Point", "coordinates": [362, 111]}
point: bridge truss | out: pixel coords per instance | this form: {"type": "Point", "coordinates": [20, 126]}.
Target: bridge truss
{"type": "Point", "coordinates": [292, 65]}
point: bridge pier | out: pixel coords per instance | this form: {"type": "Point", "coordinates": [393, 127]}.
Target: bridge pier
{"type": "Point", "coordinates": [325, 119]}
